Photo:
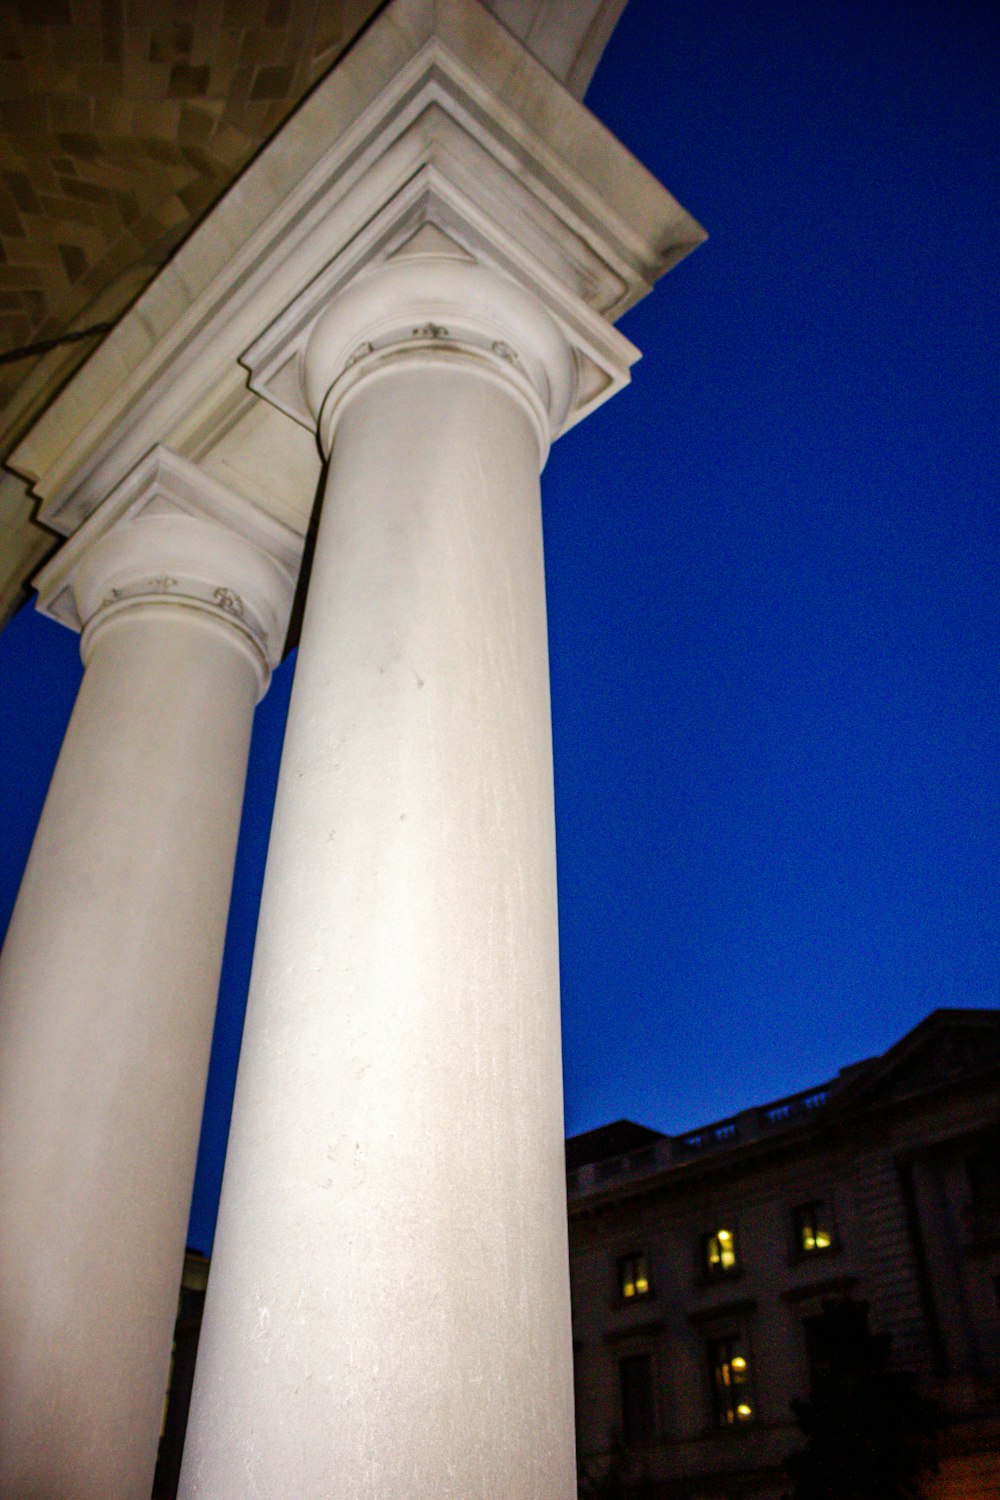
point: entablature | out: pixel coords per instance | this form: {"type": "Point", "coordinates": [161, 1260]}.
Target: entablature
{"type": "Point", "coordinates": [436, 115]}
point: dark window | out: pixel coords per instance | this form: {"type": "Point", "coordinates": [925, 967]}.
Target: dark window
{"type": "Point", "coordinates": [818, 1352]}
{"type": "Point", "coordinates": [719, 1254]}
{"type": "Point", "coordinates": [730, 1374]}
{"type": "Point", "coordinates": [813, 1227]}
{"type": "Point", "coordinates": [983, 1171]}
{"type": "Point", "coordinates": [635, 1375]}
{"type": "Point", "coordinates": [826, 1334]}
{"type": "Point", "coordinates": [633, 1277]}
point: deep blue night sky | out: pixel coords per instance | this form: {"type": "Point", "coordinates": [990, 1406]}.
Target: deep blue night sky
{"type": "Point", "coordinates": [772, 614]}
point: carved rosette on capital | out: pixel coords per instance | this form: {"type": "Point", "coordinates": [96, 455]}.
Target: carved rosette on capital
{"type": "Point", "coordinates": [435, 306]}
{"type": "Point", "coordinates": [170, 536]}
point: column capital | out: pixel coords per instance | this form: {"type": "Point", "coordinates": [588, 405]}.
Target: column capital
{"type": "Point", "coordinates": [437, 276]}
{"type": "Point", "coordinates": [171, 535]}
{"type": "Point", "coordinates": [431, 302]}
{"type": "Point", "coordinates": [476, 208]}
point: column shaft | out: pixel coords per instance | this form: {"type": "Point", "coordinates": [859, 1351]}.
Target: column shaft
{"type": "Point", "coordinates": [388, 1314]}
{"type": "Point", "coordinates": [108, 983]}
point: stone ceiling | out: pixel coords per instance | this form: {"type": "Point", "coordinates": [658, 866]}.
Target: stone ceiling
{"type": "Point", "coordinates": [121, 122]}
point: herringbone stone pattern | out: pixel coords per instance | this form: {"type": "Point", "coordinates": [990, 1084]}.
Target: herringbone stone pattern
{"type": "Point", "coordinates": [121, 122]}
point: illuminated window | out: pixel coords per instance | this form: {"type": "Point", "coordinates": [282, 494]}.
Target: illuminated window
{"type": "Point", "coordinates": [719, 1253]}
{"type": "Point", "coordinates": [813, 1227]}
{"type": "Point", "coordinates": [633, 1277]}
{"type": "Point", "coordinates": [635, 1377]}
{"type": "Point", "coordinates": [730, 1372]}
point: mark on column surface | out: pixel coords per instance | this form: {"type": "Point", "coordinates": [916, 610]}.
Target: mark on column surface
{"type": "Point", "coordinates": [481, 470]}
{"type": "Point", "coordinates": [263, 1318]}
{"type": "Point", "coordinates": [382, 669]}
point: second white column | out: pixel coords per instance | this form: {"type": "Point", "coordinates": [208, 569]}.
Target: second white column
{"type": "Point", "coordinates": [108, 983]}
{"type": "Point", "coordinates": [388, 1313]}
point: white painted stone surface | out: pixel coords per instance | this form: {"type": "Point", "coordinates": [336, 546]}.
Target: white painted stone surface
{"type": "Point", "coordinates": [108, 982]}
{"type": "Point", "coordinates": [388, 1312]}
{"type": "Point", "coordinates": [568, 36]}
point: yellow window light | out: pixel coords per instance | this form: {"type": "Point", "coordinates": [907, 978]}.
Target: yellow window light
{"type": "Point", "coordinates": [633, 1277]}
{"type": "Point", "coordinates": [812, 1227]}
{"type": "Point", "coordinates": [719, 1250]}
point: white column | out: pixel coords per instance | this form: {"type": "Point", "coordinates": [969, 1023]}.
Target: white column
{"type": "Point", "coordinates": [108, 983]}
{"type": "Point", "coordinates": [388, 1311]}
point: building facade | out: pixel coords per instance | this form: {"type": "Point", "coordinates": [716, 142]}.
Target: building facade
{"type": "Point", "coordinates": [700, 1265]}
